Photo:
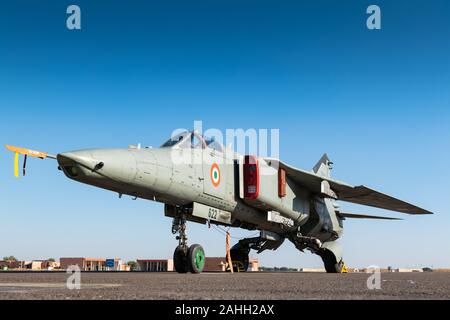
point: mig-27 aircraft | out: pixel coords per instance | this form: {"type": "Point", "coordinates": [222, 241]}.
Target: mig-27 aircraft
{"type": "Point", "coordinates": [200, 180]}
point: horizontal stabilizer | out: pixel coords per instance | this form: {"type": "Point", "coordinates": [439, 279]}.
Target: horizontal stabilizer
{"type": "Point", "coordinates": [362, 216]}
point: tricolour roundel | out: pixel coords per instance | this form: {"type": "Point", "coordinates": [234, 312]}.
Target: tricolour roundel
{"type": "Point", "coordinates": [215, 175]}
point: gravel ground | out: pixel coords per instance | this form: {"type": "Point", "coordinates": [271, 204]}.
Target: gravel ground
{"type": "Point", "coordinates": [293, 286]}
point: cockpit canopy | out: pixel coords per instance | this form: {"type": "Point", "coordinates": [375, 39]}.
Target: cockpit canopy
{"type": "Point", "coordinates": [191, 139]}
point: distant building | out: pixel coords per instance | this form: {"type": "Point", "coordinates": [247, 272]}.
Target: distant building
{"type": "Point", "coordinates": [93, 264]}
{"type": "Point", "coordinates": [441, 270]}
{"type": "Point", "coordinates": [212, 264]}
{"type": "Point", "coordinates": [390, 269]}
{"type": "Point", "coordinates": [217, 264]}
{"type": "Point", "coordinates": [407, 270]}
{"type": "Point", "coordinates": [315, 270]}
{"type": "Point", "coordinates": [155, 265]}
{"type": "Point", "coordinates": [29, 265]}
{"type": "Point", "coordinates": [254, 265]}
{"type": "Point", "coordinates": [50, 265]}
{"type": "Point", "coordinates": [3, 265]}
{"type": "Point", "coordinates": [33, 265]}
{"type": "Point", "coordinates": [8, 265]}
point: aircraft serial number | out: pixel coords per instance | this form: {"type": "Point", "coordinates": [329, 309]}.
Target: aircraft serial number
{"type": "Point", "coordinates": [212, 213]}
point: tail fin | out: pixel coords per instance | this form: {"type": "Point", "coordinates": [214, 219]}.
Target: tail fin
{"type": "Point", "coordinates": [323, 166]}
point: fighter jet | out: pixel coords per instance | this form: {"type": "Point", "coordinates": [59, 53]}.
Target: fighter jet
{"type": "Point", "coordinates": [200, 180]}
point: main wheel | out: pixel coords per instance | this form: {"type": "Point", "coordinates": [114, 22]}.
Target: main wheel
{"type": "Point", "coordinates": [196, 258]}
{"type": "Point", "coordinates": [339, 267]}
{"type": "Point", "coordinates": [180, 260]}
{"type": "Point", "coordinates": [330, 263]}
{"type": "Point", "coordinates": [239, 259]}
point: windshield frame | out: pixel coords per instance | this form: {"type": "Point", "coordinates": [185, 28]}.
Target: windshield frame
{"type": "Point", "coordinates": [176, 140]}
{"type": "Point", "coordinates": [179, 140]}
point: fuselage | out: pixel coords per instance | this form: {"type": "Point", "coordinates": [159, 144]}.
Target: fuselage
{"type": "Point", "coordinates": [153, 175]}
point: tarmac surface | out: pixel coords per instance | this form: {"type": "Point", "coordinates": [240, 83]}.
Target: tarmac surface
{"type": "Point", "coordinates": [291, 286]}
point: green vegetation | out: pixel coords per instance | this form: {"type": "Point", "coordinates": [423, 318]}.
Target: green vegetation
{"type": "Point", "coordinates": [10, 259]}
{"type": "Point", "coordinates": [132, 265]}
{"type": "Point", "coordinates": [278, 269]}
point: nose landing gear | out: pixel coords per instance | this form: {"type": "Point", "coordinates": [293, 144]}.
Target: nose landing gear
{"type": "Point", "coordinates": [186, 259]}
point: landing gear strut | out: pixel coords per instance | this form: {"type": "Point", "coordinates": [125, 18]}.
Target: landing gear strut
{"type": "Point", "coordinates": [240, 251]}
{"type": "Point", "coordinates": [185, 258]}
{"type": "Point", "coordinates": [330, 251]}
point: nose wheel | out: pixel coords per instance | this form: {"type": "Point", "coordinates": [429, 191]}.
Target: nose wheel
{"type": "Point", "coordinates": [186, 258]}
{"type": "Point", "coordinates": [189, 259]}
{"type": "Point", "coordinates": [196, 258]}
{"type": "Point", "coordinates": [180, 261]}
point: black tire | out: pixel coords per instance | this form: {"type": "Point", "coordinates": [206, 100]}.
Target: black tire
{"type": "Point", "coordinates": [330, 263]}
{"type": "Point", "coordinates": [196, 258]}
{"type": "Point", "coordinates": [180, 259]}
{"type": "Point", "coordinates": [239, 259]}
{"type": "Point", "coordinates": [332, 268]}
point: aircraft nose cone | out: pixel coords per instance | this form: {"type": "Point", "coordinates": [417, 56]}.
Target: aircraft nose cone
{"type": "Point", "coordinates": [92, 165]}
{"type": "Point", "coordinates": [80, 165]}
{"type": "Point", "coordinates": [83, 158]}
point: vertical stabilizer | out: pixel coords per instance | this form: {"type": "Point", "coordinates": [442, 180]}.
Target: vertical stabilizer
{"type": "Point", "coordinates": [323, 166]}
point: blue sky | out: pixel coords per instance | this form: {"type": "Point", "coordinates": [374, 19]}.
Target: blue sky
{"type": "Point", "coordinates": [378, 102]}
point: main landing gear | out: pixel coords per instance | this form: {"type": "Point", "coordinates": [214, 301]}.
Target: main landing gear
{"type": "Point", "coordinates": [186, 259]}
{"type": "Point", "coordinates": [240, 251]}
{"type": "Point", "coordinates": [240, 257]}
{"type": "Point", "coordinates": [331, 264]}
{"type": "Point", "coordinates": [330, 252]}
